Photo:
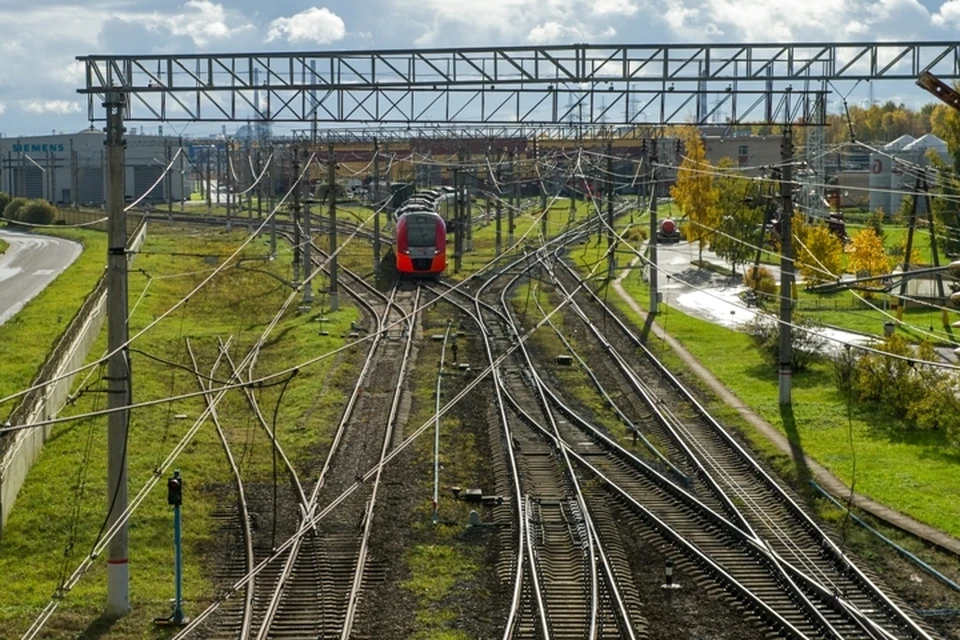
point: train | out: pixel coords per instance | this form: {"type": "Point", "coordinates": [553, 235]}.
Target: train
{"type": "Point", "coordinates": [420, 236]}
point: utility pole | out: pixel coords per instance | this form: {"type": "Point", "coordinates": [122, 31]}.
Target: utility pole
{"type": "Point", "coordinates": [376, 215]}
{"type": "Point", "coordinates": [513, 190]}
{"type": "Point", "coordinates": [457, 215]}
{"type": "Point", "coordinates": [183, 179]}
{"type": "Point", "coordinates": [332, 194]}
{"type": "Point", "coordinates": [652, 244]}
{"type": "Point", "coordinates": [469, 187]}
{"type": "Point", "coordinates": [307, 244]}
{"type": "Point", "coordinates": [611, 257]}
{"type": "Point", "coordinates": [273, 216]}
{"type": "Point", "coordinates": [118, 367]}
{"type": "Point", "coordinates": [499, 223]}
{"type": "Point", "coordinates": [544, 220]}
{"type": "Point", "coordinates": [786, 266]}
{"type": "Point", "coordinates": [209, 184]}
{"type": "Point", "coordinates": [169, 181]}
{"type": "Point", "coordinates": [229, 171]}
{"type": "Point", "coordinates": [295, 208]}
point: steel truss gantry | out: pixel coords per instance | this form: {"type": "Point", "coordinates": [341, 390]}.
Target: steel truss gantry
{"type": "Point", "coordinates": [574, 84]}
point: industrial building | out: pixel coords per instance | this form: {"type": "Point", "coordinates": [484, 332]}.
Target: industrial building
{"type": "Point", "coordinates": [70, 168]}
{"type": "Point", "coordinates": [891, 176]}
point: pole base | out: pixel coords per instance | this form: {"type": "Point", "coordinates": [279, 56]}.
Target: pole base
{"type": "Point", "coordinates": [172, 621]}
{"type": "Point", "coordinates": [670, 587]}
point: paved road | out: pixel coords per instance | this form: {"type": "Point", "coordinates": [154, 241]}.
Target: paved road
{"type": "Point", "coordinates": [28, 266]}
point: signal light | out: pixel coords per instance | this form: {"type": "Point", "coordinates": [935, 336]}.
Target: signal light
{"type": "Point", "coordinates": [175, 490]}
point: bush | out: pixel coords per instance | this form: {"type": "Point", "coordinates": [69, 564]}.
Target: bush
{"type": "Point", "coordinates": [807, 344]}
{"type": "Point", "coordinates": [4, 201]}
{"type": "Point", "coordinates": [12, 210]}
{"type": "Point", "coordinates": [760, 280]}
{"type": "Point", "coordinates": [38, 212]}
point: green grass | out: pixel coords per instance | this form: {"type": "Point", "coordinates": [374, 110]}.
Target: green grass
{"type": "Point", "coordinates": [27, 338]}
{"type": "Point", "coordinates": [237, 303]}
{"type": "Point", "coordinates": [913, 472]}
{"type": "Point", "coordinates": [4, 245]}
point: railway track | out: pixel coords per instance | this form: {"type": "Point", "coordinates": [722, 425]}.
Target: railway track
{"type": "Point", "coordinates": [724, 475]}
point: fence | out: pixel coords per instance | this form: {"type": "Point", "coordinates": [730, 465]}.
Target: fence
{"type": "Point", "coordinates": [20, 450]}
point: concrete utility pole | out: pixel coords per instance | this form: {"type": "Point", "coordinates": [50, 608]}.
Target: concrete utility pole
{"type": "Point", "coordinates": [611, 257]}
{"type": "Point", "coordinates": [786, 266]}
{"type": "Point", "coordinates": [543, 190]}
{"type": "Point", "coordinates": [375, 200]}
{"type": "Point", "coordinates": [183, 180]}
{"type": "Point", "coordinates": [469, 187]}
{"type": "Point", "coordinates": [169, 181]}
{"type": "Point", "coordinates": [118, 367]}
{"type": "Point", "coordinates": [499, 223]}
{"type": "Point", "coordinates": [457, 215]}
{"type": "Point", "coordinates": [209, 183]}
{"type": "Point", "coordinates": [652, 244]}
{"type": "Point", "coordinates": [514, 197]}
{"type": "Point", "coordinates": [273, 217]}
{"type": "Point", "coordinates": [332, 194]}
{"type": "Point", "coordinates": [229, 173]}
{"type": "Point", "coordinates": [307, 245]}
{"type": "Point", "coordinates": [295, 209]}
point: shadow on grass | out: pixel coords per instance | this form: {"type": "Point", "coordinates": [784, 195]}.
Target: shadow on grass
{"type": "Point", "coordinates": [796, 446]}
{"type": "Point", "coordinates": [99, 628]}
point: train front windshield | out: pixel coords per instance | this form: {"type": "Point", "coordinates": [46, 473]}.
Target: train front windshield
{"type": "Point", "coordinates": [421, 230]}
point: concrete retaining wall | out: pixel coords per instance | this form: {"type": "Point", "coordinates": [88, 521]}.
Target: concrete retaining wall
{"type": "Point", "coordinates": [21, 450]}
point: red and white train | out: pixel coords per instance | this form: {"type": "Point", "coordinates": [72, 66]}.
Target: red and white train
{"type": "Point", "coordinates": [420, 238]}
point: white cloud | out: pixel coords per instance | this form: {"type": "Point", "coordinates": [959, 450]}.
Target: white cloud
{"type": "Point", "coordinates": [203, 21]}
{"type": "Point", "coordinates": [948, 15]}
{"type": "Point", "coordinates": [59, 107]}
{"type": "Point", "coordinates": [312, 25]}
{"type": "Point", "coordinates": [614, 7]}
{"type": "Point", "coordinates": [554, 32]}
{"type": "Point", "coordinates": [3, 108]}
{"type": "Point", "coordinates": [764, 21]}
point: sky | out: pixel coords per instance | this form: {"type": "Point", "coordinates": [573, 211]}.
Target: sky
{"type": "Point", "coordinates": [39, 75]}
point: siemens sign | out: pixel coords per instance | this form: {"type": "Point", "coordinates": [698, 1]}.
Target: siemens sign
{"type": "Point", "coordinates": [37, 148]}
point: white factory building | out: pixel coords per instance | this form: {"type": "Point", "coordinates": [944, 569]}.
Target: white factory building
{"type": "Point", "coordinates": [70, 168]}
{"type": "Point", "coordinates": [891, 174]}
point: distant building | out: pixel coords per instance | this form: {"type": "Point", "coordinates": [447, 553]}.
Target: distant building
{"type": "Point", "coordinates": [891, 174]}
{"type": "Point", "coordinates": [69, 168]}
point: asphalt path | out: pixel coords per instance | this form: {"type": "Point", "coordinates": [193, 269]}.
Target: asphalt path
{"type": "Point", "coordinates": [29, 265]}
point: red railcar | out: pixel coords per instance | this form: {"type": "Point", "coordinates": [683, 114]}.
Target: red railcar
{"type": "Point", "coordinates": [420, 243]}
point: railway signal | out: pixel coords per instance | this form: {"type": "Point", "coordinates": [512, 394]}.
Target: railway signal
{"type": "Point", "coordinates": [175, 499]}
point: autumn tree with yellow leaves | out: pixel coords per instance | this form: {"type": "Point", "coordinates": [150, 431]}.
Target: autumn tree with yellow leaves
{"type": "Point", "coordinates": [819, 252]}
{"type": "Point", "coordinates": [866, 254]}
{"type": "Point", "coordinates": [694, 191]}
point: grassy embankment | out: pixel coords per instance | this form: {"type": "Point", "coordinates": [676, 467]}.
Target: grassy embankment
{"type": "Point", "coordinates": [60, 509]}
{"type": "Point", "coordinates": [27, 338]}
{"type": "Point", "coordinates": [4, 245]}
{"type": "Point", "coordinates": [914, 472]}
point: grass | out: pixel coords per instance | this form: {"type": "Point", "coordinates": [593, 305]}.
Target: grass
{"type": "Point", "coordinates": [913, 472]}
{"type": "Point", "coordinates": [4, 245]}
{"type": "Point", "coordinates": [27, 338]}
{"type": "Point", "coordinates": [66, 487]}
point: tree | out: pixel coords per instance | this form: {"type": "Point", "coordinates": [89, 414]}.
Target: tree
{"type": "Point", "coordinates": [738, 218]}
{"type": "Point", "coordinates": [945, 123]}
{"type": "Point", "coordinates": [819, 253]}
{"type": "Point", "coordinates": [4, 201]}
{"type": "Point", "coordinates": [694, 192]}
{"type": "Point", "coordinates": [866, 253]}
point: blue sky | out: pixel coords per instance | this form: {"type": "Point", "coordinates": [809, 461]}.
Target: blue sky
{"type": "Point", "coordinates": [38, 74]}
